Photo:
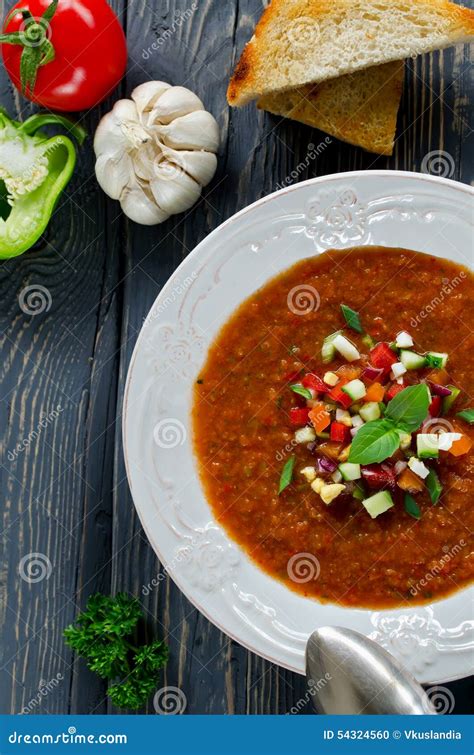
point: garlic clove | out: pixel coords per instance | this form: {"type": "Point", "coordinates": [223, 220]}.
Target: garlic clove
{"type": "Point", "coordinates": [176, 194]}
{"type": "Point", "coordinates": [140, 208]}
{"type": "Point", "coordinates": [199, 165]}
{"type": "Point", "coordinates": [144, 161]}
{"type": "Point", "coordinates": [114, 175]}
{"type": "Point", "coordinates": [147, 94]}
{"type": "Point", "coordinates": [174, 103]}
{"type": "Point", "coordinates": [198, 130]}
{"type": "Point", "coordinates": [111, 136]}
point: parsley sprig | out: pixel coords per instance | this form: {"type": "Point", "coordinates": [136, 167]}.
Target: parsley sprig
{"type": "Point", "coordinates": [105, 635]}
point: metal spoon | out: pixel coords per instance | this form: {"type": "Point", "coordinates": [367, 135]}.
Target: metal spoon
{"type": "Point", "coordinates": [350, 674]}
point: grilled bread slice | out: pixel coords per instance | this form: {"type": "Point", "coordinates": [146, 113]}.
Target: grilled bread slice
{"type": "Point", "coordinates": [360, 108]}
{"type": "Point", "coordinates": [299, 42]}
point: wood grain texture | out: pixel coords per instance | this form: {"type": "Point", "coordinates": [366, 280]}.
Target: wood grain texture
{"type": "Point", "coordinates": [66, 496]}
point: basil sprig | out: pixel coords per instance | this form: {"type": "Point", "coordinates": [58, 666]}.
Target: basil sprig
{"type": "Point", "coordinates": [378, 440]}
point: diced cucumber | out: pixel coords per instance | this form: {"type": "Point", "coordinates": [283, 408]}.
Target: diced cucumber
{"type": "Point", "coordinates": [369, 412]}
{"type": "Point", "coordinates": [448, 401]}
{"type": "Point", "coordinates": [411, 360]}
{"type": "Point", "coordinates": [346, 348]}
{"type": "Point", "coordinates": [379, 503]}
{"type": "Point", "coordinates": [368, 341]}
{"type": "Point", "coordinates": [436, 359]}
{"type": "Point", "coordinates": [336, 476]}
{"type": "Point", "coordinates": [446, 440]}
{"type": "Point", "coordinates": [358, 493]}
{"type": "Point", "coordinates": [355, 389]}
{"type": "Point", "coordinates": [404, 340]}
{"type": "Point", "coordinates": [427, 445]}
{"type": "Point", "coordinates": [328, 351]}
{"type": "Point", "coordinates": [418, 467]}
{"type": "Point", "coordinates": [350, 471]}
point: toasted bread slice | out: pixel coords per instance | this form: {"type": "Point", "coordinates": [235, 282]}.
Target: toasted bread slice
{"type": "Point", "coordinates": [360, 108]}
{"type": "Point", "coordinates": [300, 42]}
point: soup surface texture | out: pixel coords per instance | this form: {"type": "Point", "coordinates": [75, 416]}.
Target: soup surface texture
{"type": "Point", "coordinates": [243, 435]}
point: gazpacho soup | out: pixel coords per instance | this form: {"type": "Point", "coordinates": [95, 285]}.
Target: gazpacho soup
{"type": "Point", "coordinates": [333, 427]}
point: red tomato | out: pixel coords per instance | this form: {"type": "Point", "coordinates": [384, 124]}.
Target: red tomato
{"type": "Point", "coordinates": [90, 52]}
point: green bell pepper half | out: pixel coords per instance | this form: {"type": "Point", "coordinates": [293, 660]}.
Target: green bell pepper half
{"type": "Point", "coordinates": [34, 170]}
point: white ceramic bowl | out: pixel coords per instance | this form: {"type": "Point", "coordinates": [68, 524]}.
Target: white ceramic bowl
{"type": "Point", "coordinates": [387, 208]}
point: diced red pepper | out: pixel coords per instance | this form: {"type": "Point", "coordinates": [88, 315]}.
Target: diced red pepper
{"type": "Point", "coordinates": [382, 356]}
{"type": "Point", "coordinates": [393, 390]}
{"type": "Point", "coordinates": [339, 433]}
{"type": "Point", "coordinates": [338, 395]}
{"type": "Point", "coordinates": [435, 406]}
{"type": "Point", "coordinates": [313, 381]}
{"type": "Point", "coordinates": [378, 476]}
{"type": "Point", "coordinates": [299, 416]}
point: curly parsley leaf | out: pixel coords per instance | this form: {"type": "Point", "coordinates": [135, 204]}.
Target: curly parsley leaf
{"type": "Point", "coordinates": [104, 635]}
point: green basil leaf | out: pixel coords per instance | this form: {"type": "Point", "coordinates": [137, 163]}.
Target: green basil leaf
{"type": "Point", "coordinates": [409, 408]}
{"type": "Point", "coordinates": [467, 415]}
{"type": "Point", "coordinates": [411, 506]}
{"type": "Point", "coordinates": [434, 486]}
{"type": "Point", "coordinates": [287, 474]}
{"type": "Point", "coordinates": [374, 442]}
{"type": "Point", "coordinates": [352, 318]}
{"type": "Point", "coordinates": [302, 391]}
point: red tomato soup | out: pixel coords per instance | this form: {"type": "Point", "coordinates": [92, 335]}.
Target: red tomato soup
{"type": "Point", "coordinates": [335, 444]}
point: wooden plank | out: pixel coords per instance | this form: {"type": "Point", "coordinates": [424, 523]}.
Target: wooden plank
{"type": "Point", "coordinates": [57, 492]}
{"type": "Point", "coordinates": [66, 496]}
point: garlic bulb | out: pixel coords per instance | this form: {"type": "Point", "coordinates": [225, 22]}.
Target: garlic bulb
{"type": "Point", "coordinates": [156, 151]}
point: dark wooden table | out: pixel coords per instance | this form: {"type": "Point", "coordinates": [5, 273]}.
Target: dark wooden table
{"type": "Point", "coordinates": [65, 496]}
